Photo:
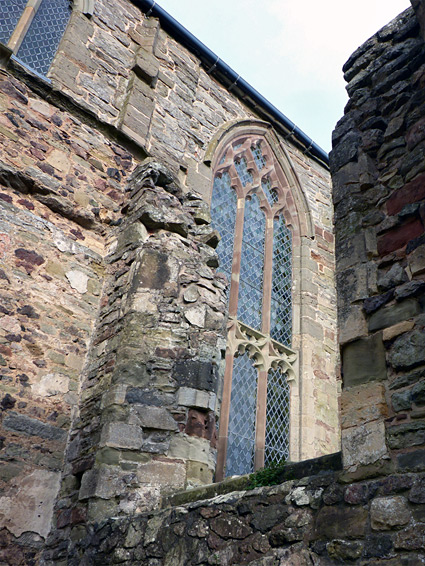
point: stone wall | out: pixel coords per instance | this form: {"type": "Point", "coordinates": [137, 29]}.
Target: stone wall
{"type": "Point", "coordinates": [61, 189]}
{"type": "Point", "coordinates": [85, 263]}
{"type": "Point", "coordinates": [379, 177]}
{"type": "Point", "coordinates": [320, 520]}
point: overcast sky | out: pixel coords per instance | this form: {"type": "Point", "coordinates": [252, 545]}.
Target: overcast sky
{"type": "Point", "coordinates": [291, 51]}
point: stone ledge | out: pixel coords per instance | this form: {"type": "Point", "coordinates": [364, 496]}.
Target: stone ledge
{"type": "Point", "coordinates": [292, 471]}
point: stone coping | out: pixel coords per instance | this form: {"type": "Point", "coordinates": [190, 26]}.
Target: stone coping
{"type": "Point", "coordinates": [292, 471]}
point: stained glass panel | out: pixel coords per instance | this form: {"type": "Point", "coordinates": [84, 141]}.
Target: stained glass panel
{"type": "Point", "coordinates": [223, 213]}
{"type": "Point", "coordinates": [281, 305]}
{"type": "Point", "coordinates": [277, 418]}
{"type": "Point", "coordinates": [44, 34]}
{"type": "Point", "coordinates": [243, 402]}
{"type": "Point", "coordinates": [252, 265]}
{"type": "Point", "coordinates": [10, 12]}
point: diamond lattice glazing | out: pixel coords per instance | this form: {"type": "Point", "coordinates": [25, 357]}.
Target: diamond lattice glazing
{"type": "Point", "coordinates": [241, 447]}
{"type": "Point", "coordinates": [10, 12]}
{"type": "Point", "coordinates": [223, 213]}
{"type": "Point", "coordinates": [242, 169]}
{"type": "Point", "coordinates": [44, 34]}
{"type": "Point", "coordinates": [259, 158]}
{"type": "Point", "coordinates": [270, 193]}
{"type": "Point", "coordinates": [252, 265]}
{"type": "Point", "coordinates": [281, 305]}
{"type": "Point", "coordinates": [277, 418]}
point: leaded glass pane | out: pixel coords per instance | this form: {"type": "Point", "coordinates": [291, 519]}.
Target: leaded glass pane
{"type": "Point", "coordinates": [277, 418]}
{"type": "Point", "coordinates": [10, 12]}
{"type": "Point", "coordinates": [259, 158]}
{"type": "Point", "coordinates": [223, 214]}
{"type": "Point", "coordinates": [44, 34]}
{"type": "Point", "coordinates": [252, 265]}
{"type": "Point", "coordinates": [243, 402]}
{"type": "Point", "coordinates": [270, 193]}
{"type": "Point", "coordinates": [281, 305]}
{"type": "Point", "coordinates": [242, 169]}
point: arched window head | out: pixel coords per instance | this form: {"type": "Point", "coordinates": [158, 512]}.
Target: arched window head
{"type": "Point", "coordinates": [252, 208]}
{"type": "Point", "coordinates": [33, 29]}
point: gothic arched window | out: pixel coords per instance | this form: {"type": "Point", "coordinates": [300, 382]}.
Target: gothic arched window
{"type": "Point", "coordinates": [248, 209]}
{"type": "Point", "coordinates": [32, 29]}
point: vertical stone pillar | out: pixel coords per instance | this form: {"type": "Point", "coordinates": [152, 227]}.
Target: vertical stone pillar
{"type": "Point", "coordinates": [379, 178]}
{"type": "Point", "coordinates": [147, 423]}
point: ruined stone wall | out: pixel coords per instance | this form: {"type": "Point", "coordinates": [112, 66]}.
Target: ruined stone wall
{"type": "Point", "coordinates": [75, 366]}
{"type": "Point", "coordinates": [378, 172]}
{"type": "Point", "coordinates": [61, 188]}
{"type": "Point", "coordinates": [372, 512]}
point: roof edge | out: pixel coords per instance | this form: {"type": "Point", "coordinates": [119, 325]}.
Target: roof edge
{"type": "Point", "coordinates": [232, 81]}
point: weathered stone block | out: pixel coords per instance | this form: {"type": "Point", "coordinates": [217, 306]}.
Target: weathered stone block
{"type": "Point", "coordinates": [363, 404]}
{"type": "Point", "coordinates": [152, 418]}
{"type": "Point", "coordinates": [33, 427]}
{"type": "Point", "coordinates": [190, 397]}
{"type": "Point", "coordinates": [197, 473]}
{"type": "Point", "coordinates": [363, 445]}
{"type": "Point", "coordinates": [389, 512]}
{"type": "Point", "coordinates": [335, 522]}
{"type": "Point", "coordinates": [29, 505]}
{"type": "Point", "coordinates": [344, 550]}
{"type": "Point", "coordinates": [122, 435]}
{"type": "Point", "coordinates": [416, 261]}
{"type": "Point", "coordinates": [191, 448]}
{"type": "Point", "coordinates": [406, 435]}
{"type": "Point", "coordinates": [196, 374]}
{"type": "Point", "coordinates": [106, 483]}
{"type": "Point", "coordinates": [408, 350]}
{"type": "Point", "coordinates": [393, 314]}
{"type": "Point", "coordinates": [412, 538]}
{"type": "Point", "coordinates": [163, 473]}
{"type": "Point", "coordinates": [363, 361]}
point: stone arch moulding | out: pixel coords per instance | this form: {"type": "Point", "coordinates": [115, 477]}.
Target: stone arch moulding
{"type": "Point", "coordinates": [235, 129]}
{"type": "Point", "coordinates": [233, 145]}
{"type": "Point", "coordinates": [84, 6]}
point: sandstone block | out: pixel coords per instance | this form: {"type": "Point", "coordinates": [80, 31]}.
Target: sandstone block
{"type": "Point", "coordinates": [362, 404]}
{"type": "Point", "coordinates": [152, 417]}
{"type": "Point", "coordinates": [191, 448]}
{"type": "Point", "coordinates": [190, 397]}
{"type": "Point", "coordinates": [29, 505]}
{"type": "Point", "coordinates": [397, 329]}
{"type": "Point", "coordinates": [163, 473]}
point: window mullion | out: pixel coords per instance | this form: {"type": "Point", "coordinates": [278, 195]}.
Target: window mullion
{"type": "Point", "coordinates": [237, 252]}
{"type": "Point", "coordinates": [260, 420]}
{"type": "Point", "coordinates": [268, 273]}
{"type": "Point", "coordinates": [23, 25]}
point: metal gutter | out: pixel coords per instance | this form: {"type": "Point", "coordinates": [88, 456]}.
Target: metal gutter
{"type": "Point", "coordinates": [231, 80]}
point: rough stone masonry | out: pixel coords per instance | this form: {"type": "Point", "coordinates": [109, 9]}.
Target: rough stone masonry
{"type": "Point", "coordinates": [111, 347]}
